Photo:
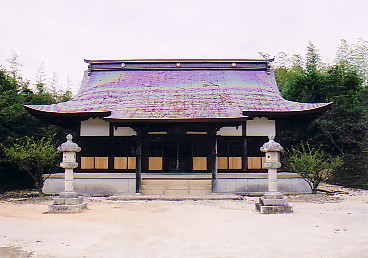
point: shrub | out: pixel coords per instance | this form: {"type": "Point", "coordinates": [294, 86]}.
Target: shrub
{"type": "Point", "coordinates": [314, 165]}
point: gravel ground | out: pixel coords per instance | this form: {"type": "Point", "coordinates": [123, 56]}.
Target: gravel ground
{"type": "Point", "coordinates": [332, 223]}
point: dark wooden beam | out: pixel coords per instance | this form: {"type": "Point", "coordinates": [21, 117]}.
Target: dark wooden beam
{"type": "Point", "coordinates": [144, 152]}
{"type": "Point", "coordinates": [111, 154]}
{"type": "Point", "coordinates": [138, 154]}
{"type": "Point", "coordinates": [77, 139]}
{"type": "Point", "coordinates": [200, 125]}
{"type": "Point", "coordinates": [213, 157]}
{"type": "Point", "coordinates": [245, 148]}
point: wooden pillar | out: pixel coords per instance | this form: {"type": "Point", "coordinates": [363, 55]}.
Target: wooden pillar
{"type": "Point", "coordinates": [144, 152]}
{"type": "Point", "coordinates": [279, 124]}
{"type": "Point", "coordinates": [111, 150]}
{"type": "Point", "coordinates": [213, 158]}
{"type": "Point", "coordinates": [244, 148]}
{"type": "Point", "coordinates": [138, 170]}
{"type": "Point", "coordinates": [79, 139]}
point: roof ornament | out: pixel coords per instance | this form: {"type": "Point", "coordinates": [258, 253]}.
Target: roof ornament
{"type": "Point", "coordinates": [178, 65]}
{"type": "Point", "coordinates": [233, 65]}
{"type": "Point", "coordinates": [122, 65]}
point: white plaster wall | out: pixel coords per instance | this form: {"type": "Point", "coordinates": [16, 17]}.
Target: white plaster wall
{"type": "Point", "coordinates": [230, 131]}
{"type": "Point", "coordinates": [260, 126]}
{"type": "Point", "coordinates": [124, 131]}
{"type": "Point", "coordinates": [94, 127]}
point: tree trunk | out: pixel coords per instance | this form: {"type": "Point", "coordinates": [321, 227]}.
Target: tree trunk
{"type": "Point", "coordinates": [314, 187]}
{"type": "Point", "coordinates": [39, 180]}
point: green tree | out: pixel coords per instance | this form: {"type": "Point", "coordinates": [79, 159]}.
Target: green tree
{"type": "Point", "coordinates": [354, 57]}
{"type": "Point", "coordinates": [33, 157]}
{"type": "Point", "coordinates": [41, 79]}
{"type": "Point", "coordinates": [15, 65]}
{"type": "Point", "coordinates": [10, 106]}
{"type": "Point", "coordinates": [306, 83]}
{"type": "Point", "coordinates": [16, 122]}
{"type": "Point", "coordinates": [314, 165]}
{"type": "Point", "coordinates": [342, 130]}
{"type": "Point", "coordinates": [54, 86]}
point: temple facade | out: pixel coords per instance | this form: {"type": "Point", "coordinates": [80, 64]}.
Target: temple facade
{"type": "Point", "coordinates": [175, 126]}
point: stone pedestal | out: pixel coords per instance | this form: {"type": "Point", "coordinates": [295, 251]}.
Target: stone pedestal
{"type": "Point", "coordinates": [69, 180]}
{"type": "Point", "coordinates": [272, 180]}
{"type": "Point", "coordinates": [68, 201]}
{"type": "Point", "coordinates": [272, 203]}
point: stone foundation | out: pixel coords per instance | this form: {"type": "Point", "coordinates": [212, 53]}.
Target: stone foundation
{"type": "Point", "coordinates": [124, 183]}
{"type": "Point", "coordinates": [273, 209]}
{"type": "Point", "coordinates": [68, 202]}
{"type": "Point", "coordinates": [273, 203]}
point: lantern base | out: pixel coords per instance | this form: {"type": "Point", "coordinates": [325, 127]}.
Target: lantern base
{"type": "Point", "coordinates": [68, 202]}
{"type": "Point", "coordinates": [273, 203]}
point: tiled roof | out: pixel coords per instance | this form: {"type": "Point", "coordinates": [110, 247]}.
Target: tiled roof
{"type": "Point", "coordinates": [178, 91]}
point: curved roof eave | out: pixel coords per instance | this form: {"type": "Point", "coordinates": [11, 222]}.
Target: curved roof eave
{"type": "Point", "coordinates": [322, 108]}
{"type": "Point", "coordinates": [32, 109]}
{"type": "Point", "coordinates": [43, 114]}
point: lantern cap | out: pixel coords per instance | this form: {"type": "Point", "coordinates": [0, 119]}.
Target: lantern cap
{"type": "Point", "coordinates": [271, 145]}
{"type": "Point", "coordinates": [69, 145]}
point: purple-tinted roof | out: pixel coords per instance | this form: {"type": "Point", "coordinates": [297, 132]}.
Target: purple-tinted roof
{"type": "Point", "coordinates": [178, 90]}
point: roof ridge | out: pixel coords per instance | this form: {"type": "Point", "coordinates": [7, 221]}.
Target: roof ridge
{"type": "Point", "coordinates": [177, 60]}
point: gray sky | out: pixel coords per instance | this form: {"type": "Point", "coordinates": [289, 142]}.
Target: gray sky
{"type": "Point", "coordinates": [62, 33]}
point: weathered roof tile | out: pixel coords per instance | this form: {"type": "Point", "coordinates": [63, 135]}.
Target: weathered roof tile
{"type": "Point", "coordinates": [178, 94]}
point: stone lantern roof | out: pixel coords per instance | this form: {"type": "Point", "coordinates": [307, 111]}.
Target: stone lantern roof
{"type": "Point", "coordinates": [69, 145]}
{"type": "Point", "coordinates": [271, 145]}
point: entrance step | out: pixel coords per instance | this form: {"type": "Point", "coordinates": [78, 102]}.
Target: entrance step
{"type": "Point", "coordinates": [176, 186]}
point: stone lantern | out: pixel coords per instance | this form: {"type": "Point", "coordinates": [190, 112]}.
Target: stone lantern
{"type": "Point", "coordinates": [272, 150]}
{"type": "Point", "coordinates": [68, 200]}
{"type": "Point", "coordinates": [272, 201]}
{"type": "Point", "coordinates": [69, 162]}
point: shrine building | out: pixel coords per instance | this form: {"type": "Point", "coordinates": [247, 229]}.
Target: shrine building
{"type": "Point", "coordinates": [175, 126]}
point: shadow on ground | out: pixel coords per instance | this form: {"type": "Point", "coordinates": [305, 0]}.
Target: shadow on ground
{"type": "Point", "coordinates": [14, 252]}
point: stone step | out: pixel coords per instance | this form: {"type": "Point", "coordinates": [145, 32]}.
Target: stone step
{"type": "Point", "coordinates": [177, 184]}
{"type": "Point", "coordinates": [176, 192]}
{"type": "Point", "coordinates": [176, 187]}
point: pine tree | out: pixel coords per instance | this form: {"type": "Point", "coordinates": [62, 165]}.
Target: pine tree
{"type": "Point", "coordinates": [41, 78]}
{"type": "Point", "coordinates": [54, 86]}
{"type": "Point", "coordinates": [15, 65]}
